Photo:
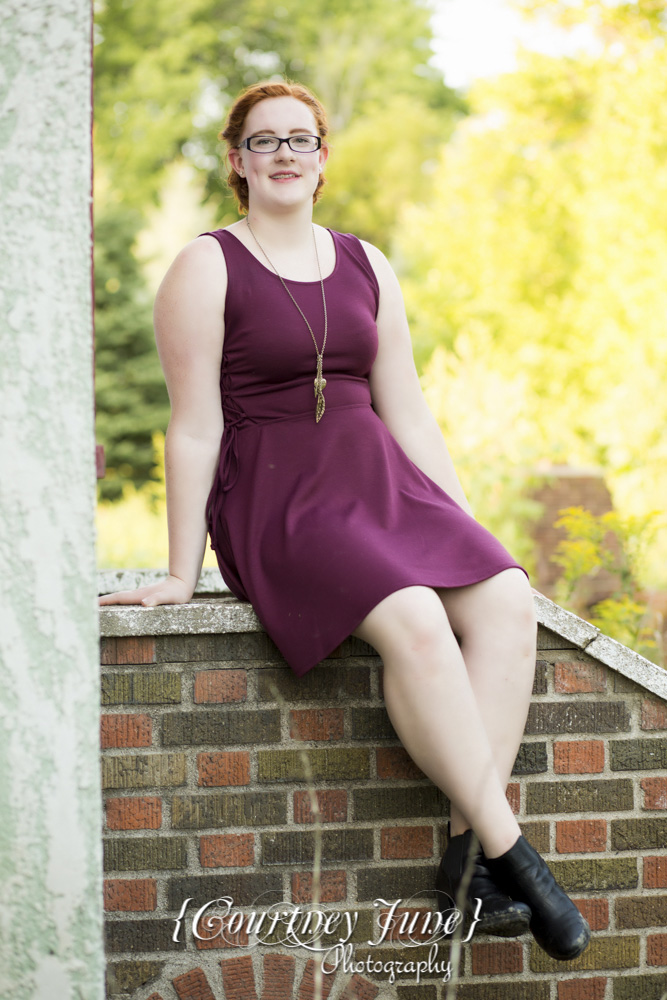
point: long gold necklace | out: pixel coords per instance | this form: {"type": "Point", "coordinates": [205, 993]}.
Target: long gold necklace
{"type": "Point", "coordinates": [319, 381]}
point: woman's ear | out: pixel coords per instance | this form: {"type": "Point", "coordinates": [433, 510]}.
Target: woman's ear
{"type": "Point", "coordinates": [323, 154]}
{"type": "Point", "coordinates": [236, 161]}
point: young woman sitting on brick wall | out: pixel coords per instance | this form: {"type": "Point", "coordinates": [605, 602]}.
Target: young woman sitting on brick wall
{"type": "Point", "coordinates": [331, 499]}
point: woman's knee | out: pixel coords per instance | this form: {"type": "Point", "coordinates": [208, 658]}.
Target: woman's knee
{"type": "Point", "coordinates": [513, 611]}
{"type": "Point", "coordinates": [501, 606]}
{"type": "Point", "coordinates": [411, 620]}
{"type": "Point", "coordinates": [515, 597]}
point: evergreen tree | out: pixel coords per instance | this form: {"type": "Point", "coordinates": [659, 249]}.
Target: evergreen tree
{"type": "Point", "coordinates": [130, 394]}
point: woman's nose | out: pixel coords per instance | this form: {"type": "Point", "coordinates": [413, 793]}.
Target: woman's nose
{"type": "Point", "coordinates": [284, 152]}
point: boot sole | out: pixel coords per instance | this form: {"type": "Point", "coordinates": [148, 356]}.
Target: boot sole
{"type": "Point", "coordinates": [575, 952]}
{"type": "Point", "coordinates": [504, 925]}
{"type": "Point", "coordinates": [511, 923]}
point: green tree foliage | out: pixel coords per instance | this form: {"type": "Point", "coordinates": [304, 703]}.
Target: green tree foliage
{"type": "Point", "coordinates": [617, 545]}
{"type": "Point", "coordinates": [130, 394]}
{"type": "Point", "coordinates": [150, 65]}
{"type": "Point", "coordinates": [611, 19]}
{"type": "Point", "coordinates": [402, 146]}
{"type": "Point", "coordinates": [543, 255]}
{"type": "Point", "coordinates": [368, 63]}
{"type": "Point", "coordinates": [165, 74]}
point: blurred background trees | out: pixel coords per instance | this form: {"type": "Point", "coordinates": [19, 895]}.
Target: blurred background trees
{"type": "Point", "coordinates": [527, 219]}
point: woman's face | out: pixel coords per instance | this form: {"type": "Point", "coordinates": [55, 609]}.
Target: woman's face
{"type": "Point", "coordinates": [284, 178]}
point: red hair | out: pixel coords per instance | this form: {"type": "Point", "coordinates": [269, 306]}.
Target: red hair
{"type": "Point", "coordinates": [239, 111]}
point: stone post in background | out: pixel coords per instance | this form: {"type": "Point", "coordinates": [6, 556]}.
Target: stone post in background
{"type": "Point", "coordinates": [50, 812]}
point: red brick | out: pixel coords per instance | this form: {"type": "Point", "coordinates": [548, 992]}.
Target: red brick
{"type": "Point", "coordinates": [408, 923]}
{"type": "Point", "coordinates": [406, 842]}
{"type": "Point", "coordinates": [655, 793]}
{"type": "Point", "coordinates": [154, 996]}
{"type": "Point", "coordinates": [223, 767]}
{"type": "Point", "coordinates": [193, 985]}
{"type": "Point", "coordinates": [573, 677]}
{"type": "Point", "coordinates": [654, 714]}
{"type": "Point", "coordinates": [227, 850]}
{"type": "Point", "coordinates": [127, 649]}
{"type": "Point", "coordinates": [579, 756]}
{"type": "Point", "coordinates": [656, 949]}
{"type": "Point", "coordinates": [131, 730]}
{"type": "Point", "coordinates": [316, 723]}
{"type": "Point", "coordinates": [596, 912]}
{"type": "Point", "coordinates": [133, 813]}
{"type": "Point", "coordinates": [238, 978]}
{"type": "Point", "coordinates": [513, 795]}
{"type": "Point", "coordinates": [215, 934]}
{"type": "Point", "coordinates": [395, 762]}
{"type": "Point", "coordinates": [331, 804]}
{"type": "Point", "coordinates": [496, 958]}
{"type": "Point", "coordinates": [333, 886]}
{"type": "Point", "coordinates": [655, 873]}
{"type": "Point", "coordinates": [130, 894]}
{"type": "Point", "coordinates": [582, 989]}
{"type": "Point", "coordinates": [278, 977]}
{"type": "Point", "coordinates": [220, 685]}
{"type": "Point", "coordinates": [581, 835]}
{"type": "Point", "coordinates": [359, 988]}
{"type": "Point", "coordinates": [307, 984]}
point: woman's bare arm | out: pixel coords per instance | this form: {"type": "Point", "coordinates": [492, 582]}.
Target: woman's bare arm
{"type": "Point", "coordinates": [189, 330]}
{"type": "Point", "coordinates": [395, 389]}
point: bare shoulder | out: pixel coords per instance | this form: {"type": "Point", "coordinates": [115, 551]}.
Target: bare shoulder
{"type": "Point", "coordinates": [375, 255]}
{"type": "Point", "coordinates": [390, 290]}
{"type": "Point", "coordinates": [384, 272]}
{"type": "Point", "coordinates": [199, 262]}
{"type": "Point", "coordinates": [192, 292]}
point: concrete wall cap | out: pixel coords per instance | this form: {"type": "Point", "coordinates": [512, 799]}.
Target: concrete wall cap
{"type": "Point", "coordinates": [227, 614]}
{"type": "Point", "coordinates": [600, 646]}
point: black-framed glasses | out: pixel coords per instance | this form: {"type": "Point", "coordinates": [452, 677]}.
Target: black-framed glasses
{"type": "Point", "coordinates": [271, 143]}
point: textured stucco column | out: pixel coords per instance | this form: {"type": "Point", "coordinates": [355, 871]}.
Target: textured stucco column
{"type": "Point", "coordinates": [50, 812]}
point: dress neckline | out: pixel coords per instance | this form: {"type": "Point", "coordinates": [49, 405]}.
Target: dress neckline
{"type": "Point", "coordinates": [291, 281]}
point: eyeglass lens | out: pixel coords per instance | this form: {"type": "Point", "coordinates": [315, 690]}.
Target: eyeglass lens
{"type": "Point", "coordinates": [270, 143]}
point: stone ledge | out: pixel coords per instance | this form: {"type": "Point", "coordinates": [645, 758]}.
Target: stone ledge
{"type": "Point", "coordinates": [595, 643]}
{"type": "Point", "coordinates": [224, 613]}
{"type": "Point", "coordinates": [111, 580]}
{"type": "Point", "coordinates": [563, 622]}
{"type": "Point", "coordinates": [220, 615]}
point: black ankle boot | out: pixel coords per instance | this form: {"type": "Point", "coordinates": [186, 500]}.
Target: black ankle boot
{"type": "Point", "coordinates": [556, 923]}
{"type": "Point", "coordinates": [499, 915]}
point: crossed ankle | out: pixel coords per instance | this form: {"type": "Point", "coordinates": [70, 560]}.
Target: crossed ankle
{"type": "Point", "coordinates": [499, 846]}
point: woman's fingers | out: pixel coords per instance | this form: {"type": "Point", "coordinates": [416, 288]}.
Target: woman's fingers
{"type": "Point", "coordinates": [138, 596]}
{"type": "Point", "coordinates": [154, 599]}
{"type": "Point", "coordinates": [171, 591]}
{"type": "Point", "coordinates": [122, 597]}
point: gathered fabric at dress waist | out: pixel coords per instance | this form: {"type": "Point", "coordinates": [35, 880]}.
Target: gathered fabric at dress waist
{"type": "Point", "coordinates": [274, 403]}
{"type": "Point", "coordinates": [293, 400]}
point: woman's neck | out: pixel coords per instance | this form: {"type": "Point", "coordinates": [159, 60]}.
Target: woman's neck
{"type": "Point", "coordinates": [286, 230]}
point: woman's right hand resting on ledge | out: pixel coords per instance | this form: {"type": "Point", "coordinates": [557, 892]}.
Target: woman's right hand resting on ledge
{"type": "Point", "coordinates": [171, 590]}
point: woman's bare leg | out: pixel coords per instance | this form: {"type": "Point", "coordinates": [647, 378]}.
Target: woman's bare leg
{"type": "Point", "coordinates": [495, 623]}
{"type": "Point", "coordinates": [433, 708]}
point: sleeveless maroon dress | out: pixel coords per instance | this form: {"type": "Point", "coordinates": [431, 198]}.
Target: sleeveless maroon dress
{"type": "Point", "coordinates": [315, 523]}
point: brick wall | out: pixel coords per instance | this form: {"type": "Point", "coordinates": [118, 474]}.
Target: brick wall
{"type": "Point", "coordinates": [206, 797]}
{"type": "Point", "coordinates": [563, 487]}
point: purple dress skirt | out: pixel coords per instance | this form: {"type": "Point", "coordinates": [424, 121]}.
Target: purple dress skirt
{"type": "Point", "coordinates": [315, 523]}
